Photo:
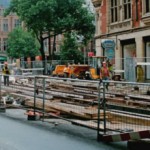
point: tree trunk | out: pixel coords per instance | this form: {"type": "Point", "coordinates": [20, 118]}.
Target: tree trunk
{"type": "Point", "coordinates": [54, 46]}
{"type": "Point", "coordinates": [49, 49]}
{"type": "Point", "coordinates": [32, 61]}
{"type": "Point", "coordinates": [43, 54]}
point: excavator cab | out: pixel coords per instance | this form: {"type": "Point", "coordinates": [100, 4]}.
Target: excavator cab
{"type": "Point", "coordinates": [78, 71]}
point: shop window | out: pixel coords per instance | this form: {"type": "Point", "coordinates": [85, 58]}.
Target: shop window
{"type": "Point", "coordinates": [114, 10]}
{"type": "Point", "coordinates": [127, 9]}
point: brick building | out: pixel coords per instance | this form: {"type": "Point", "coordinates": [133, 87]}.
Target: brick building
{"type": "Point", "coordinates": [127, 24]}
{"type": "Point", "coordinates": [7, 24]}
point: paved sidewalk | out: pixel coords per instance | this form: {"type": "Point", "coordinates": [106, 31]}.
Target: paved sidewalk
{"type": "Point", "coordinates": [17, 133]}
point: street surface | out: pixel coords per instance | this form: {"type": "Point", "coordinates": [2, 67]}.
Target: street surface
{"type": "Point", "coordinates": [16, 133]}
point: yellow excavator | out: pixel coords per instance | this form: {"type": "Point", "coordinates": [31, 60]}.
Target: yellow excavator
{"type": "Point", "coordinates": [81, 71]}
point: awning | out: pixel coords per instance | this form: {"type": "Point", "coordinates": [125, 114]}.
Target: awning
{"type": "Point", "coordinates": [3, 58]}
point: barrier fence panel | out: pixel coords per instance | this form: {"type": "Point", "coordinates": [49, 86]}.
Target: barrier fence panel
{"type": "Point", "coordinates": [126, 107]}
{"type": "Point", "coordinates": [50, 98]}
{"type": "Point", "coordinates": [1, 104]}
{"type": "Point", "coordinates": [36, 66]}
{"type": "Point", "coordinates": [122, 108]}
{"type": "Point", "coordinates": [71, 100]}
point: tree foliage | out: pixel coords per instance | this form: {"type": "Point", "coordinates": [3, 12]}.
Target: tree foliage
{"type": "Point", "coordinates": [47, 18]}
{"type": "Point", "coordinates": [70, 49]}
{"type": "Point", "coordinates": [22, 44]}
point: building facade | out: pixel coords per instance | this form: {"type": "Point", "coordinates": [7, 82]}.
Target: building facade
{"type": "Point", "coordinates": [127, 23]}
{"type": "Point", "coordinates": [7, 24]}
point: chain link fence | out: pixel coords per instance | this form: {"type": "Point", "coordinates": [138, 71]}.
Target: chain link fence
{"type": "Point", "coordinates": [122, 108]}
{"type": "Point", "coordinates": [64, 99]}
{"type": "Point", "coordinates": [126, 106]}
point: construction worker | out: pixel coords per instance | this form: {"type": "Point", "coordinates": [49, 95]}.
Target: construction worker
{"type": "Point", "coordinates": [6, 73]}
{"type": "Point", "coordinates": [104, 73]}
{"type": "Point", "coordinates": [140, 74]}
{"type": "Point", "coordinates": [66, 71]}
{"type": "Point", "coordinates": [110, 67]}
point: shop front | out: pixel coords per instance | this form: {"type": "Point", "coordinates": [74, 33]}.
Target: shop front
{"type": "Point", "coordinates": [2, 60]}
{"type": "Point", "coordinates": [147, 57]}
{"type": "Point", "coordinates": [129, 59]}
{"type": "Point", "coordinates": [109, 50]}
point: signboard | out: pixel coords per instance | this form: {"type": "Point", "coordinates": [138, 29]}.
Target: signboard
{"type": "Point", "coordinates": [108, 44]}
{"type": "Point", "coordinates": [109, 49]}
{"type": "Point", "coordinates": [90, 54]}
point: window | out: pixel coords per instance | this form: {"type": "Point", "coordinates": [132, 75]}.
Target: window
{"type": "Point", "coordinates": [0, 25]}
{"type": "Point", "coordinates": [5, 45]}
{"type": "Point", "coordinates": [0, 45]}
{"type": "Point", "coordinates": [127, 9]}
{"type": "Point", "coordinates": [46, 45]}
{"type": "Point", "coordinates": [5, 25]}
{"type": "Point", "coordinates": [17, 23]}
{"type": "Point", "coordinates": [147, 4]}
{"type": "Point", "coordinates": [114, 10]}
{"type": "Point", "coordinates": [59, 37]}
{"type": "Point", "coordinates": [1, 12]}
{"type": "Point", "coordinates": [120, 10]}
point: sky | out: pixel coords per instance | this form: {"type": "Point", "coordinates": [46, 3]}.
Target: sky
{"type": "Point", "coordinates": [90, 5]}
{"type": "Point", "coordinates": [4, 3]}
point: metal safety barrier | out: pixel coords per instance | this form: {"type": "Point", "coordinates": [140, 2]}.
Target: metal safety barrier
{"type": "Point", "coordinates": [118, 113]}
{"type": "Point", "coordinates": [72, 100]}
{"type": "Point", "coordinates": [126, 108]}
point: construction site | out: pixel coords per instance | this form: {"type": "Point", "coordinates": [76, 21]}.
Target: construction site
{"type": "Point", "coordinates": [119, 113]}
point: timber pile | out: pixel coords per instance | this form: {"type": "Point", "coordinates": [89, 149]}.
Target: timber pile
{"type": "Point", "coordinates": [78, 99]}
{"type": "Point", "coordinates": [67, 109]}
{"type": "Point", "coordinates": [129, 118]}
{"type": "Point", "coordinates": [65, 98]}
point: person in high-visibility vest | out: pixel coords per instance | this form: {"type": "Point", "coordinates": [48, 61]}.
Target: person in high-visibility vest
{"type": "Point", "coordinates": [140, 74]}
{"type": "Point", "coordinates": [6, 73]}
{"type": "Point", "coordinates": [66, 71]}
{"type": "Point", "coordinates": [104, 73]}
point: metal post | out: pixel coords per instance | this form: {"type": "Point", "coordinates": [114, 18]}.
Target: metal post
{"type": "Point", "coordinates": [34, 94]}
{"type": "Point", "coordinates": [45, 64]}
{"type": "Point", "coordinates": [0, 89]}
{"type": "Point", "coordinates": [43, 97]}
{"type": "Point", "coordinates": [98, 122]}
{"type": "Point", "coordinates": [104, 107]}
{"type": "Point", "coordinates": [2, 105]}
{"type": "Point", "coordinates": [84, 55]}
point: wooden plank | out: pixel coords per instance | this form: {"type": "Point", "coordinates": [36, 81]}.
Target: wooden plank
{"type": "Point", "coordinates": [79, 111]}
{"type": "Point", "coordinates": [53, 93]}
{"type": "Point", "coordinates": [129, 118]}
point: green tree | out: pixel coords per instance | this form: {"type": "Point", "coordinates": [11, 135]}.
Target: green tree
{"type": "Point", "coordinates": [22, 44]}
{"type": "Point", "coordinates": [70, 49]}
{"type": "Point", "coordinates": [48, 18]}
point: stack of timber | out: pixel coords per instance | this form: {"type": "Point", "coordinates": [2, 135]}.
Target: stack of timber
{"type": "Point", "coordinates": [77, 99]}
{"type": "Point", "coordinates": [60, 98]}
{"type": "Point", "coordinates": [67, 109]}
